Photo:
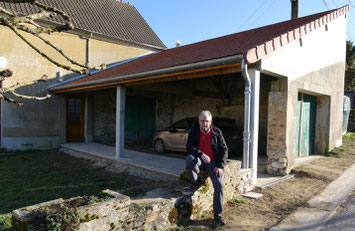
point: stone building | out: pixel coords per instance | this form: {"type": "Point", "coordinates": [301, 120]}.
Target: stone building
{"type": "Point", "coordinates": [293, 70]}
{"type": "Point", "coordinates": [106, 32]}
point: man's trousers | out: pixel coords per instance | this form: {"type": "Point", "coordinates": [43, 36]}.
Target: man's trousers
{"type": "Point", "coordinates": [194, 164]}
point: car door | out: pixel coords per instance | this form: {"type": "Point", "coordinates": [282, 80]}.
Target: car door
{"type": "Point", "coordinates": [177, 137]}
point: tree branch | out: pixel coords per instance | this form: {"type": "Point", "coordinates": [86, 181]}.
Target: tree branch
{"type": "Point", "coordinates": [30, 18]}
{"type": "Point", "coordinates": [12, 90]}
{"type": "Point", "coordinates": [16, 24]}
{"type": "Point", "coordinates": [5, 74]}
{"type": "Point", "coordinates": [68, 24]}
{"type": "Point", "coordinates": [66, 67]}
{"type": "Point", "coordinates": [8, 13]}
{"type": "Point", "coordinates": [18, 84]}
{"type": "Point", "coordinates": [29, 97]}
{"type": "Point", "coordinates": [7, 99]}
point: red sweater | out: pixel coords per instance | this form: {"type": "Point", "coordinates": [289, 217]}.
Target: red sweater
{"type": "Point", "coordinates": [205, 144]}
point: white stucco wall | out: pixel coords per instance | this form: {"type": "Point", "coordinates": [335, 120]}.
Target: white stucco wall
{"type": "Point", "coordinates": [314, 65]}
{"type": "Point", "coordinates": [319, 48]}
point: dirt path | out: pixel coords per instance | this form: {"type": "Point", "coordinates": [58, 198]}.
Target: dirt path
{"type": "Point", "coordinates": [282, 199]}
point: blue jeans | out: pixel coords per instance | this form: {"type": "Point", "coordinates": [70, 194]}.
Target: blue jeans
{"type": "Point", "coordinates": [194, 164]}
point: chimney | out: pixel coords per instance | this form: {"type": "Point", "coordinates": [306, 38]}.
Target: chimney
{"type": "Point", "coordinates": [295, 9]}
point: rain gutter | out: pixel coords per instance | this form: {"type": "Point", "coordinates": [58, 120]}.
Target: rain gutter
{"type": "Point", "coordinates": [246, 133]}
{"type": "Point", "coordinates": [170, 70]}
{"type": "Point", "coordinates": [110, 66]}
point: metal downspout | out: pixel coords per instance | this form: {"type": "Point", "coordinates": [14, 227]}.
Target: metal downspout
{"type": "Point", "coordinates": [88, 49]}
{"type": "Point", "coordinates": [246, 134]}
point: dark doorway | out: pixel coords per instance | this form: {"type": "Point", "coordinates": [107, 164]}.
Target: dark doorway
{"type": "Point", "coordinates": [75, 118]}
{"type": "Point", "coordinates": [140, 117]}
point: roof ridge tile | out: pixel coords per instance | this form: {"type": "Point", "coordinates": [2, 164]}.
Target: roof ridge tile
{"type": "Point", "coordinates": [255, 53]}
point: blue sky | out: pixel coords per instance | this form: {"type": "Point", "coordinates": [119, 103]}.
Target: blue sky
{"type": "Point", "coordinates": [195, 20]}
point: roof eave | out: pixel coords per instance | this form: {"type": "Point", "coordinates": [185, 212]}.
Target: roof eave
{"type": "Point", "coordinates": [161, 73]}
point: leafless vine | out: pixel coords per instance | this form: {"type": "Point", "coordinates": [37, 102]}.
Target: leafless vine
{"type": "Point", "coordinates": [27, 24]}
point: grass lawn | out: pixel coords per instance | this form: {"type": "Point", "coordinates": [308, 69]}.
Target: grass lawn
{"type": "Point", "coordinates": [28, 178]}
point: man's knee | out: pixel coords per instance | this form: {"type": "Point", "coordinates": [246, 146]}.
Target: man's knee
{"type": "Point", "coordinates": [191, 161]}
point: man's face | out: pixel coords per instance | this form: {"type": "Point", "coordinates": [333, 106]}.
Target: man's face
{"type": "Point", "coordinates": [205, 122]}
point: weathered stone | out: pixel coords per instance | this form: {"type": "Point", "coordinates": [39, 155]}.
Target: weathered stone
{"type": "Point", "coordinates": [159, 209]}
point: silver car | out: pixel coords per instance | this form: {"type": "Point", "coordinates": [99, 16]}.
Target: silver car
{"type": "Point", "coordinates": [174, 137]}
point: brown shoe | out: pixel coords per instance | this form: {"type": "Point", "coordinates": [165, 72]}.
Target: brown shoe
{"type": "Point", "coordinates": [219, 219]}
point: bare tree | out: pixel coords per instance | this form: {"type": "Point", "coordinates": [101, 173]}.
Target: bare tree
{"type": "Point", "coordinates": [27, 24]}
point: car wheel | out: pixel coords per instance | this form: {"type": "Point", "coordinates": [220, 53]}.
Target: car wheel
{"type": "Point", "coordinates": [159, 146]}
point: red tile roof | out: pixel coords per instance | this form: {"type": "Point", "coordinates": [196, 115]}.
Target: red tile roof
{"type": "Point", "coordinates": [112, 18]}
{"type": "Point", "coordinates": [252, 44]}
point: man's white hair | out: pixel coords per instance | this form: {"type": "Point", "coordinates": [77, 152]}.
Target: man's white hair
{"type": "Point", "coordinates": [206, 113]}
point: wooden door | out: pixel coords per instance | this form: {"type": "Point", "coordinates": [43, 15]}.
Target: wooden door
{"type": "Point", "coordinates": [75, 118]}
{"type": "Point", "coordinates": [306, 118]}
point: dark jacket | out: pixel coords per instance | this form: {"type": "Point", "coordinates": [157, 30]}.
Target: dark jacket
{"type": "Point", "coordinates": [219, 146]}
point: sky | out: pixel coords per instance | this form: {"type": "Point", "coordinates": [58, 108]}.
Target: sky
{"type": "Point", "coordinates": [192, 21]}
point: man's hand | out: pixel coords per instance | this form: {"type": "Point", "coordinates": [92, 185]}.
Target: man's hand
{"type": "Point", "coordinates": [205, 158]}
{"type": "Point", "coordinates": [218, 172]}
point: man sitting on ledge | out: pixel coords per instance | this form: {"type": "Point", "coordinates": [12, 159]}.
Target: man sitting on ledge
{"type": "Point", "coordinates": [207, 149]}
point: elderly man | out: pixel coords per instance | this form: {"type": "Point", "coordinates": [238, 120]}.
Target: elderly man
{"type": "Point", "coordinates": [207, 149]}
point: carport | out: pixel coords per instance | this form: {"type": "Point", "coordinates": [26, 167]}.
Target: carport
{"type": "Point", "coordinates": [178, 80]}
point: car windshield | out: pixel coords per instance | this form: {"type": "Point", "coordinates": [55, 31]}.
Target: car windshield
{"type": "Point", "coordinates": [182, 125]}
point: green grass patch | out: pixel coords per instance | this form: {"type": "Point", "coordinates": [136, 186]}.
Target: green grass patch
{"type": "Point", "coordinates": [5, 222]}
{"type": "Point", "coordinates": [28, 178]}
{"type": "Point", "coordinates": [236, 201]}
{"type": "Point", "coordinates": [349, 136]}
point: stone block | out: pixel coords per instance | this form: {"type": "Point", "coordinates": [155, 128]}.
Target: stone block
{"type": "Point", "coordinates": [97, 216]}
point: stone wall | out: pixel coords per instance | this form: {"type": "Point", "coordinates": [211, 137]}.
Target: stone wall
{"type": "Point", "coordinates": [276, 139]}
{"type": "Point", "coordinates": [104, 117]}
{"type": "Point", "coordinates": [159, 209]}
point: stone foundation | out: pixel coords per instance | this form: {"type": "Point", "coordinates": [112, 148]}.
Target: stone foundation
{"type": "Point", "coordinates": [159, 209]}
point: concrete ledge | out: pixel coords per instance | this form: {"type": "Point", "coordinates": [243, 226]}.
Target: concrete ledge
{"type": "Point", "coordinates": [112, 164]}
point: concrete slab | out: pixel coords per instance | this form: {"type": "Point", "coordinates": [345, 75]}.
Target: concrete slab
{"type": "Point", "coordinates": [322, 207]}
{"type": "Point", "coordinates": [274, 181]}
{"type": "Point", "coordinates": [252, 195]}
{"type": "Point", "coordinates": [165, 166]}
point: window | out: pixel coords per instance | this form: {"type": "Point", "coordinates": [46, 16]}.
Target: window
{"type": "Point", "coordinates": [74, 110]}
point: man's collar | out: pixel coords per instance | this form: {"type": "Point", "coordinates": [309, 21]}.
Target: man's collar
{"type": "Point", "coordinates": [206, 132]}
